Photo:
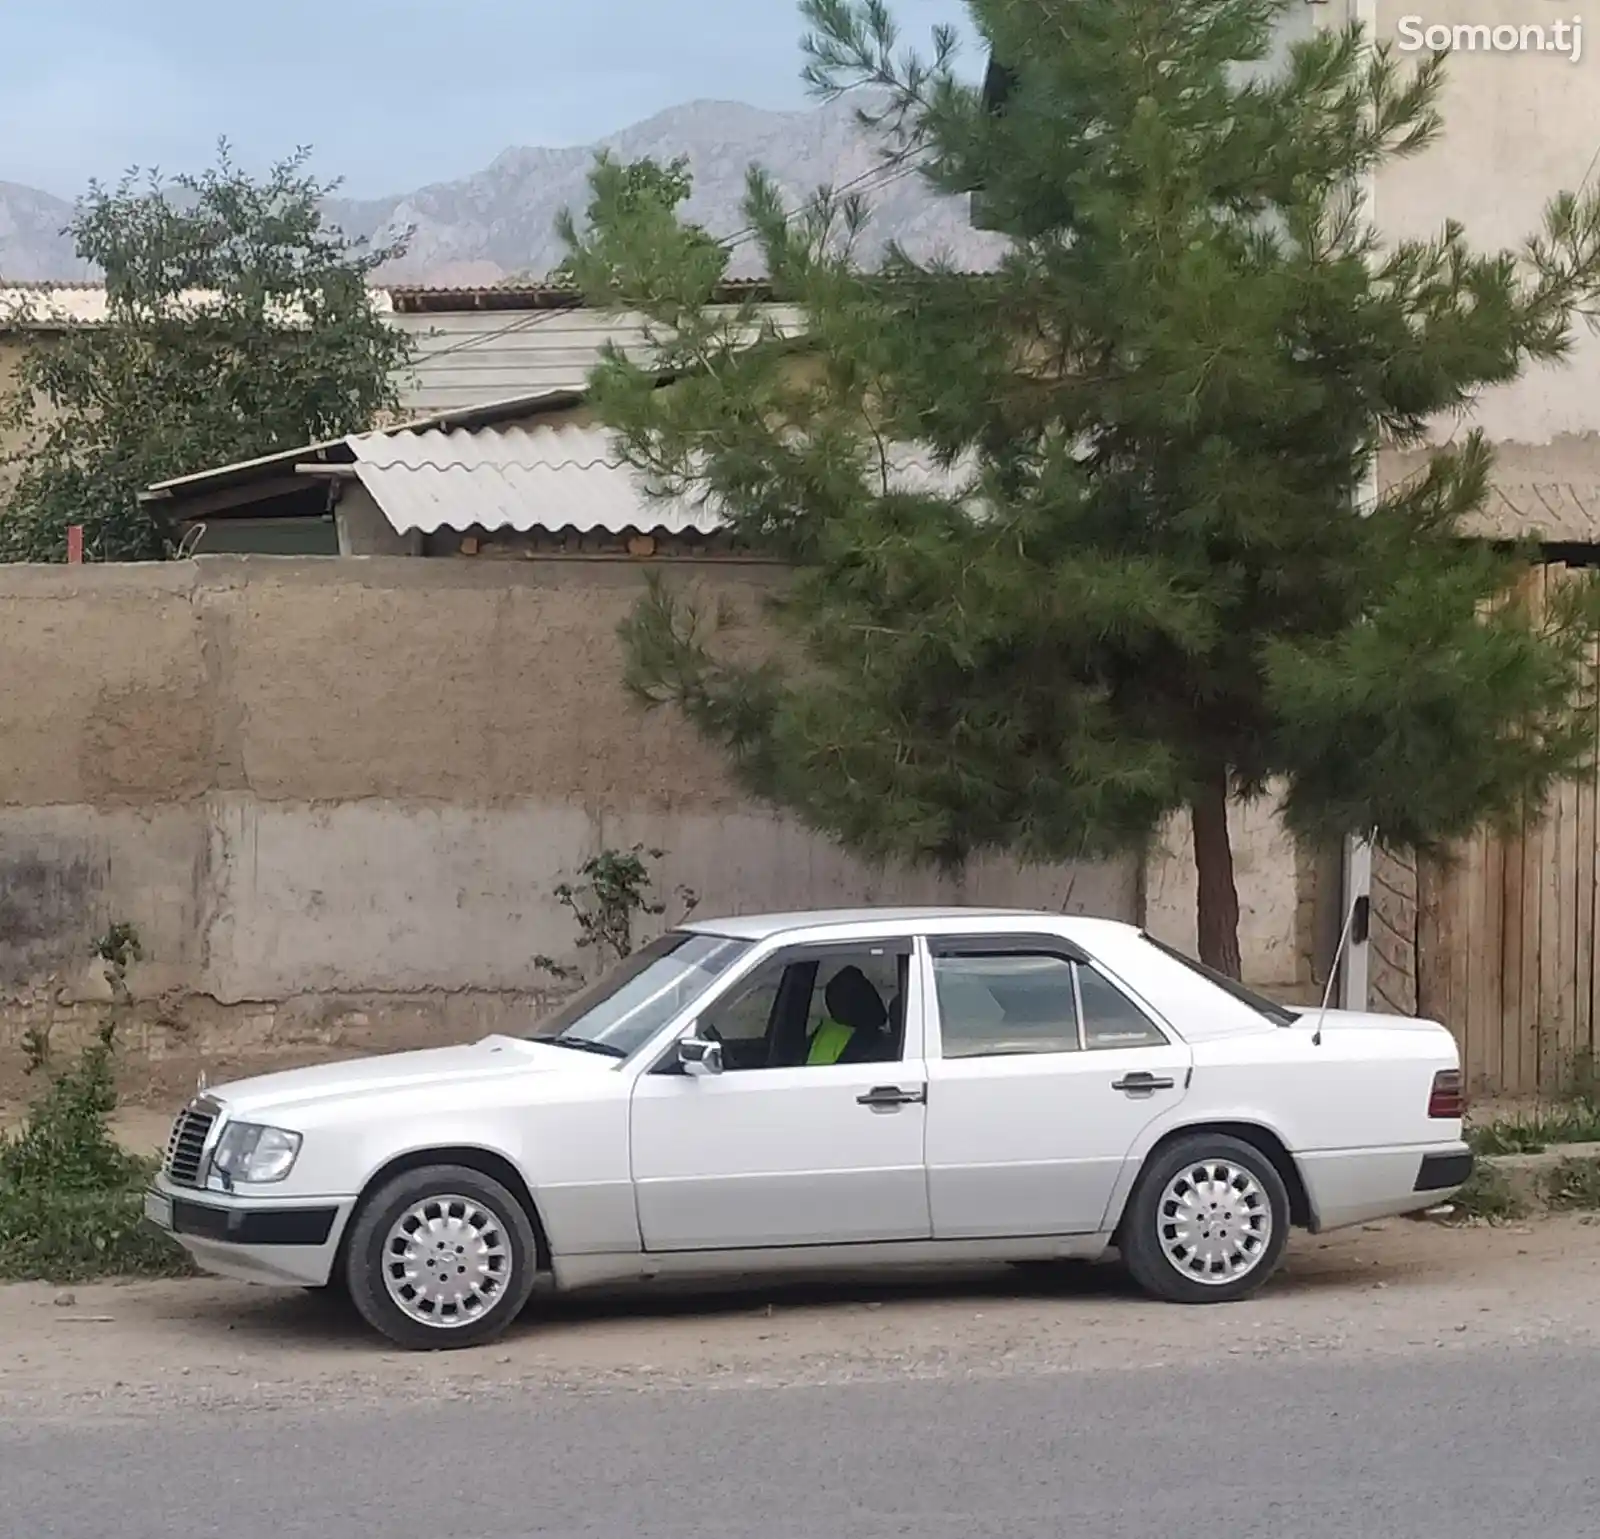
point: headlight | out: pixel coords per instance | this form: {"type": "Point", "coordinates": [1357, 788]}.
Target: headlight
{"type": "Point", "coordinates": [249, 1152]}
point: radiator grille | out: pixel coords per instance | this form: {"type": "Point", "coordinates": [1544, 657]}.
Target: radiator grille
{"type": "Point", "coordinates": [187, 1146]}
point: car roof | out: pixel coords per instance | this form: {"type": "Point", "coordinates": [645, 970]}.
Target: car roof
{"type": "Point", "coordinates": [935, 921]}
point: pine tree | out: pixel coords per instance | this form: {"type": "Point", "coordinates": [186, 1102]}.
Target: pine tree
{"type": "Point", "coordinates": [1139, 581]}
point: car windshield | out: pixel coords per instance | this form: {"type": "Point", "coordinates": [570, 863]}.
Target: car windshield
{"type": "Point", "coordinates": [620, 1012]}
{"type": "Point", "coordinates": [1279, 1015]}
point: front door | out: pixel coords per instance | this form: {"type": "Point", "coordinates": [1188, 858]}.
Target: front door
{"type": "Point", "coordinates": [1042, 1075]}
{"type": "Point", "coordinates": [782, 1148]}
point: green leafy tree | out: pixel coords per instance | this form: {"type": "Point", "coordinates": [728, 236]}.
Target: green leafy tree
{"type": "Point", "coordinates": [1138, 582]}
{"type": "Point", "coordinates": [238, 324]}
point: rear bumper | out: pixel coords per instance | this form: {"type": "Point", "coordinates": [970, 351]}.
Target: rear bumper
{"type": "Point", "coordinates": [1357, 1186]}
{"type": "Point", "coordinates": [278, 1243]}
{"type": "Point", "coordinates": [1445, 1170]}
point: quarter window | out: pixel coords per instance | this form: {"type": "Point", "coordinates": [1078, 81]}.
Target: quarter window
{"type": "Point", "coordinates": [998, 1005]}
{"type": "Point", "coordinates": [1110, 1018]}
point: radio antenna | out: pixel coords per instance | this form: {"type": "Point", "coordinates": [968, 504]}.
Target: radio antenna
{"type": "Point", "coordinates": [1333, 970]}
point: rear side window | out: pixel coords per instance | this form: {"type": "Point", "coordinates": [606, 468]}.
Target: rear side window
{"type": "Point", "coordinates": [994, 1006]}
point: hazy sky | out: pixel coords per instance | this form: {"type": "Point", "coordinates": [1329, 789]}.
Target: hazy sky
{"type": "Point", "coordinates": [390, 93]}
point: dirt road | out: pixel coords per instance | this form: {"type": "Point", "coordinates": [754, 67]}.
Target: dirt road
{"type": "Point", "coordinates": [1403, 1287]}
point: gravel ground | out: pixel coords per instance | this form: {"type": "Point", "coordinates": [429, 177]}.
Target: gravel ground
{"type": "Point", "coordinates": [1401, 1287]}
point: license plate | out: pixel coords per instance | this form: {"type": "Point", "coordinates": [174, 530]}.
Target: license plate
{"type": "Point", "coordinates": [158, 1210]}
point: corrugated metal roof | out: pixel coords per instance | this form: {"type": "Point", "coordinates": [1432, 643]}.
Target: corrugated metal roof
{"type": "Point", "coordinates": [46, 285]}
{"type": "Point", "coordinates": [545, 477]}
{"type": "Point", "coordinates": [515, 478]}
{"type": "Point", "coordinates": [50, 306]}
{"type": "Point", "coordinates": [53, 306]}
{"type": "Point", "coordinates": [340, 450]}
{"type": "Point", "coordinates": [538, 294]}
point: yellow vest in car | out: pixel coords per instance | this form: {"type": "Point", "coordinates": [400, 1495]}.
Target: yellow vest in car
{"type": "Point", "coordinates": [828, 1041]}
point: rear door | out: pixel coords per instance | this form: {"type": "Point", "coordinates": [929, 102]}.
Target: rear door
{"type": "Point", "coordinates": [1042, 1073]}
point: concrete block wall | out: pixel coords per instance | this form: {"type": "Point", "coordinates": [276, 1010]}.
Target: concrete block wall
{"type": "Point", "coordinates": [1277, 886]}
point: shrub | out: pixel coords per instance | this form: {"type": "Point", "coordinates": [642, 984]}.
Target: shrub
{"type": "Point", "coordinates": [71, 1198]}
{"type": "Point", "coordinates": [51, 1234]}
{"type": "Point", "coordinates": [66, 1144]}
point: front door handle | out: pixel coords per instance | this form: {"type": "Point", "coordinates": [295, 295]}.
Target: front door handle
{"type": "Point", "coordinates": [892, 1097]}
{"type": "Point", "coordinates": [1142, 1084]}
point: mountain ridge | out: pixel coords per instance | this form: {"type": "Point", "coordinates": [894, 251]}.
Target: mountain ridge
{"type": "Point", "coordinates": [499, 222]}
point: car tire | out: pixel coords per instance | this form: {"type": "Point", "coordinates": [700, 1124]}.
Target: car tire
{"type": "Point", "coordinates": [1204, 1180]}
{"type": "Point", "coordinates": [441, 1258]}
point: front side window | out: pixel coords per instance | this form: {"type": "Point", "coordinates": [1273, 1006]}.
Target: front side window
{"type": "Point", "coordinates": [993, 1006]}
{"type": "Point", "coordinates": [815, 1007]}
{"type": "Point", "coordinates": [620, 1012]}
{"type": "Point", "coordinates": [742, 1020]}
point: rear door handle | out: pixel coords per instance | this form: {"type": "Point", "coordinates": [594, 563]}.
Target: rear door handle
{"type": "Point", "coordinates": [1142, 1084]}
{"type": "Point", "coordinates": [892, 1097]}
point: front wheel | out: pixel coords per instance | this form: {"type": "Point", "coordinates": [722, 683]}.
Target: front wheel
{"type": "Point", "coordinates": [1207, 1222]}
{"type": "Point", "coordinates": [441, 1258]}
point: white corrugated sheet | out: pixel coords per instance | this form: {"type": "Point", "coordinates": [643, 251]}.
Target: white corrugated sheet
{"type": "Point", "coordinates": [537, 478]}
{"type": "Point", "coordinates": [524, 479]}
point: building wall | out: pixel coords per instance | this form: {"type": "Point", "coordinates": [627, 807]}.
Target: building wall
{"type": "Point", "coordinates": [1519, 128]}
{"type": "Point", "coordinates": [10, 354]}
{"type": "Point", "coordinates": [364, 531]}
{"type": "Point", "coordinates": [334, 797]}
{"type": "Point", "coordinates": [468, 357]}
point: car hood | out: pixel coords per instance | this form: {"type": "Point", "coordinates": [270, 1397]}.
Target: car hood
{"type": "Point", "coordinates": [427, 1068]}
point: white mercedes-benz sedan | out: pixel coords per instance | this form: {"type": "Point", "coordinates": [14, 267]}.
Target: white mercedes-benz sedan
{"type": "Point", "coordinates": [826, 1090]}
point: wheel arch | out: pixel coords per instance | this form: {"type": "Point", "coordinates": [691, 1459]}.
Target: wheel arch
{"type": "Point", "coordinates": [1259, 1137]}
{"type": "Point", "coordinates": [487, 1162]}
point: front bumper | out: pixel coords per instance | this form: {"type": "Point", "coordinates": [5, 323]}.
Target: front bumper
{"type": "Point", "coordinates": [283, 1241]}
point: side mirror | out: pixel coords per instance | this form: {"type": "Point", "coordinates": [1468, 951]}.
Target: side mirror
{"type": "Point", "coordinates": [699, 1055]}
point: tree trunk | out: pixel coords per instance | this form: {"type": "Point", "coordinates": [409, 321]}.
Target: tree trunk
{"type": "Point", "coordinates": [1217, 897]}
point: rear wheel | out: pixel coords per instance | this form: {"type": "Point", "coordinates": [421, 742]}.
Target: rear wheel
{"type": "Point", "coordinates": [1207, 1222]}
{"type": "Point", "coordinates": [441, 1258]}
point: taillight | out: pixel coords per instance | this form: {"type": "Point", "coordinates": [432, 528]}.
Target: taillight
{"type": "Point", "coordinates": [1447, 1101]}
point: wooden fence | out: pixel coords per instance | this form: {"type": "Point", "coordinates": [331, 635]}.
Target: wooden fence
{"type": "Point", "coordinates": [1502, 940]}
